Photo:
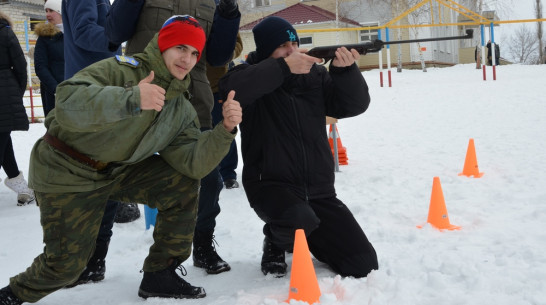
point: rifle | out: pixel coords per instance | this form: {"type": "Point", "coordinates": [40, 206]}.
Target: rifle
{"type": "Point", "coordinates": [328, 53]}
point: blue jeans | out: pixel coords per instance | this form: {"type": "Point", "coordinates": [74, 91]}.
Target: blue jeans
{"type": "Point", "coordinates": [229, 163]}
{"type": "Point", "coordinates": [107, 223]}
{"type": "Point", "coordinates": [208, 209]}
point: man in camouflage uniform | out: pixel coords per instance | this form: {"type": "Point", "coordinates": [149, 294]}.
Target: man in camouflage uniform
{"type": "Point", "coordinates": [101, 142]}
{"type": "Point", "coordinates": [220, 21]}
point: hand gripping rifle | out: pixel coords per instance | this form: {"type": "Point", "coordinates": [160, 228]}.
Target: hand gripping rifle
{"type": "Point", "coordinates": [329, 52]}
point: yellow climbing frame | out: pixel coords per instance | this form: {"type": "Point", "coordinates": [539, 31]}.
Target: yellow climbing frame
{"type": "Point", "coordinates": [450, 4]}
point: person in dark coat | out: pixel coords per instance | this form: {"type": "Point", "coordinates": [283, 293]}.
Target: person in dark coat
{"type": "Point", "coordinates": [490, 56]}
{"type": "Point", "coordinates": [288, 171]}
{"type": "Point", "coordinates": [49, 54]}
{"type": "Point", "coordinates": [13, 115]}
{"type": "Point", "coordinates": [231, 160]}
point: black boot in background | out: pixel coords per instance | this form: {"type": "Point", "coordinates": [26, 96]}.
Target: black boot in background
{"type": "Point", "coordinates": [127, 212]}
{"type": "Point", "coordinates": [273, 259]}
{"type": "Point", "coordinates": [204, 254]}
{"type": "Point", "coordinates": [96, 267]}
{"type": "Point", "coordinates": [231, 184]}
{"type": "Point", "coordinates": [168, 284]}
{"type": "Point", "coordinates": [8, 298]}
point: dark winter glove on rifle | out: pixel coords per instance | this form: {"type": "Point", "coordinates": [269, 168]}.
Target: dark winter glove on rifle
{"type": "Point", "coordinates": [228, 9]}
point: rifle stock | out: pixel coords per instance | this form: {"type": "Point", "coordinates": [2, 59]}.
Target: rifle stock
{"type": "Point", "coordinates": [329, 52]}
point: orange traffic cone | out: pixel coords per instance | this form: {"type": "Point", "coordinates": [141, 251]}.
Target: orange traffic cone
{"type": "Point", "coordinates": [470, 162]}
{"type": "Point", "coordinates": [437, 211]}
{"type": "Point", "coordinates": [341, 150]}
{"type": "Point", "coordinates": [303, 280]}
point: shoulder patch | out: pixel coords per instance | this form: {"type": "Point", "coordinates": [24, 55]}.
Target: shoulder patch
{"type": "Point", "coordinates": [127, 60]}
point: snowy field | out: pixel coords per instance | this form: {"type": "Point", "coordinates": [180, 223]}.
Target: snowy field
{"type": "Point", "coordinates": [412, 132]}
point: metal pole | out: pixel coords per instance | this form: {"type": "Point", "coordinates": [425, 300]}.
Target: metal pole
{"type": "Point", "coordinates": [380, 60]}
{"type": "Point", "coordinates": [334, 137]}
{"type": "Point", "coordinates": [29, 76]}
{"type": "Point", "coordinates": [482, 28]}
{"type": "Point", "coordinates": [388, 57]}
{"type": "Point", "coordinates": [493, 55]}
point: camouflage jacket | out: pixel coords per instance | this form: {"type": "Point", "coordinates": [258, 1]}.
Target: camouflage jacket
{"type": "Point", "coordinates": [98, 114]}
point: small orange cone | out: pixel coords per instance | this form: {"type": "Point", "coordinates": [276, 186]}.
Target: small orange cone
{"type": "Point", "coordinates": [437, 211]}
{"type": "Point", "coordinates": [303, 280]}
{"type": "Point", "coordinates": [341, 150]}
{"type": "Point", "coordinates": [471, 163]}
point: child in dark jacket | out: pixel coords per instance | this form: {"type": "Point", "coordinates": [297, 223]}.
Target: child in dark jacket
{"type": "Point", "coordinates": [288, 171]}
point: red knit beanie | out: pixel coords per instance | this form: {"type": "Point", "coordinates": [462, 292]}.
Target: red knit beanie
{"type": "Point", "coordinates": [181, 30]}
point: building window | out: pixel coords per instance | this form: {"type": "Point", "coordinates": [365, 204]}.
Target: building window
{"type": "Point", "coordinates": [306, 41]}
{"type": "Point", "coordinates": [34, 22]}
{"type": "Point", "coordinates": [368, 35]}
{"type": "Point", "coordinates": [260, 3]}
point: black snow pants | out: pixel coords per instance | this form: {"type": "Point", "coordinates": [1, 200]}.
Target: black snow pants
{"type": "Point", "coordinates": [333, 234]}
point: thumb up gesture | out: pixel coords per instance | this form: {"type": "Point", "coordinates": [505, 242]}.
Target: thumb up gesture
{"type": "Point", "coordinates": [232, 112]}
{"type": "Point", "coordinates": [152, 97]}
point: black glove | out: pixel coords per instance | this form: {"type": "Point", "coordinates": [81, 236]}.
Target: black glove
{"type": "Point", "coordinates": [228, 9]}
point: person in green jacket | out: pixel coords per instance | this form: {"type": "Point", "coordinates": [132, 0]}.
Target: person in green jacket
{"type": "Point", "coordinates": [124, 129]}
{"type": "Point", "coordinates": [220, 19]}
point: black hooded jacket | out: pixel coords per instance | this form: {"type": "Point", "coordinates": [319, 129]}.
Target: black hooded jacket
{"type": "Point", "coordinates": [283, 134]}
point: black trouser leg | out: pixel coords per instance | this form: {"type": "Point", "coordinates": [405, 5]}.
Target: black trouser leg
{"type": "Point", "coordinates": [339, 241]}
{"type": "Point", "coordinates": [333, 234]}
{"type": "Point", "coordinates": [7, 156]}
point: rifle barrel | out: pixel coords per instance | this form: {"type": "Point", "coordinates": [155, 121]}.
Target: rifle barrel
{"type": "Point", "coordinates": [469, 34]}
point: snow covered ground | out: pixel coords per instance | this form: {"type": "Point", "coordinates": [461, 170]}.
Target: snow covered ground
{"type": "Point", "coordinates": [412, 132]}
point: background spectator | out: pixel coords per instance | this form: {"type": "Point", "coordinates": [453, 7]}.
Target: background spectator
{"type": "Point", "coordinates": [49, 53]}
{"type": "Point", "coordinates": [13, 115]}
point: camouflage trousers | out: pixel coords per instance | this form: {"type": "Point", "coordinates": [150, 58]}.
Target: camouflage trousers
{"type": "Point", "coordinates": [71, 222]}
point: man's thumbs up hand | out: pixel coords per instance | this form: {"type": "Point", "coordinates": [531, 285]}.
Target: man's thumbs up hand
{"type": "Point", "coordinates": [232, 112]}
{"type": "Point", "coordinates": [152, 97]}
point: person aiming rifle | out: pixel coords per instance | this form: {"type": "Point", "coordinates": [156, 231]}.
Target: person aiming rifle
{"type": "Point", "coordinates": [288, 171]}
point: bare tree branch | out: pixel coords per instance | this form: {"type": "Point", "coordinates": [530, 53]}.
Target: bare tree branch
{"type": "Point", "coordinates": [522, 46]}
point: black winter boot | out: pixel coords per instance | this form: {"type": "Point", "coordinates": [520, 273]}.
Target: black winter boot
{"type": "Point", "coordinates": [273, 259]}
{"type": "Point", "coordinates": [168, 284]}
{"type": "Point", "coordinates": [204, 254]}
{"type": "Point", "coordinates": [8, 298]}
{"type": "Point", "coordinates": [231, 184]}
{"type": "Point", "coordinates": [96, 267]}
{"type": "Point", "coordinates": [127, 212]}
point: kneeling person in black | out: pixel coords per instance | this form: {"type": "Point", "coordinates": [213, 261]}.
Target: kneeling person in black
{"type": "Point", "coordinates": [288, 171]}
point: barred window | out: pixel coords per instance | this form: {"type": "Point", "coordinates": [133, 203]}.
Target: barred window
{"type": "Point", "coordinates": [368, 35]}
{"type": "Point", "coordinates": [306, 41]}
{"type": "Point", "coordinates": [260, 3]}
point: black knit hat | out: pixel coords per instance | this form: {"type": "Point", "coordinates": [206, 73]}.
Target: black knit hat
{"type": "Point", "coordinates": [270, 33]}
